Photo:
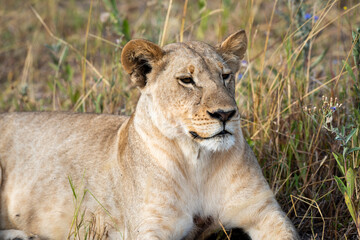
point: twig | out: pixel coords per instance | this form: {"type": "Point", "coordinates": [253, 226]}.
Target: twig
{"type": "Point", "coordinates": [222, 226]}
{"type": "Point", "coordinates": [83, 62]}
{"type": "Point", "coordinates": [105, 40]}
{"type": "Point", "coordinates": [166, 24]}
{"type": "Point", "coordinates": [183, 21]}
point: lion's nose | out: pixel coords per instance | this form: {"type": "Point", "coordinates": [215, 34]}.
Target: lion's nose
{"type": "Point", "coordinates": [222, 115]}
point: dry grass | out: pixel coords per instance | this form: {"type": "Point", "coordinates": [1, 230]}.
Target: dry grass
{"type": "Point", "coordinates": [64, 55]}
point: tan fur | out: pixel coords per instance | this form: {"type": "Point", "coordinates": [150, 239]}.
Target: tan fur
{"type": "Point", "coordinates": [162, 173]}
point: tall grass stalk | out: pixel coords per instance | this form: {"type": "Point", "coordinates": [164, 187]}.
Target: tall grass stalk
{"type": "Point", "coordinates": [83, 62]}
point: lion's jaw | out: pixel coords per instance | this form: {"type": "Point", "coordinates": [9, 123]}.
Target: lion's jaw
{"type": "Point", "coordinates": [220, 139]}
{"type": "Point", "coordinates": [219, 143]}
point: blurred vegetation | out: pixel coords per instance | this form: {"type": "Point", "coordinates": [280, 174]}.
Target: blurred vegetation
{"type": "Point", "coordinates": [298, 88]}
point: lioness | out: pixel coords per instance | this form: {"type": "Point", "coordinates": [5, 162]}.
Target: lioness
{"type": "Point", "coordinates": [177, 168]}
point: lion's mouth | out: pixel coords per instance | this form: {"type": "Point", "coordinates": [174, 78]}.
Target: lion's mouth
{"type": "Point", "coordinates": [223, 133]}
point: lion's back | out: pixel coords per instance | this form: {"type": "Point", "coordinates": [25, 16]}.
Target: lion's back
{"type": "Point", "coordinates": [42, 133]}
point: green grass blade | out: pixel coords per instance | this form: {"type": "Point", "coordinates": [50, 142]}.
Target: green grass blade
{"type": "Point", "coordinates": [349, 70]}
{"type": "Point", "coordinates": [347, 139]}
{"type": "Point", "coordinates": [350, 206]}
{"type": "Point", "coordinates": [350, 182]}
{"type": "Point", "coordinates": [353, 150]}
{"type": "Point", "coordinates": [340, 164]}
{"type": "Point", "coordinates": [340, 184]}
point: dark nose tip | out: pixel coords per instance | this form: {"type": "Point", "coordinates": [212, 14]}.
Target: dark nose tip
{"type": "Point", "coordinates": [222, 115]}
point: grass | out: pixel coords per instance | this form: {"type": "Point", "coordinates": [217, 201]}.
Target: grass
{"type": "Point", "coordinates": [64, 55]}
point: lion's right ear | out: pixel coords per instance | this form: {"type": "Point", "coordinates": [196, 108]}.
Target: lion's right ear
{"type": "Point", "coordinates": [233, 49]}
{"type": "Point", "coordinates": [138, 58]}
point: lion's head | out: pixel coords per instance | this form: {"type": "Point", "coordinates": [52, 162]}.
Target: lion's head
{"type": "Point", "coordinates": [189, 88]}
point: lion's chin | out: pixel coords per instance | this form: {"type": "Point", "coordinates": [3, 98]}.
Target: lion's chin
{"type": "Point", "coordinates": [218, 143]}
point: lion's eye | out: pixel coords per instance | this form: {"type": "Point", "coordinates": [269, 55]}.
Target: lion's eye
{"type": "Point", "coordinates": [226, 76]}
{"type": "Point", "coordinates": [187, 80]}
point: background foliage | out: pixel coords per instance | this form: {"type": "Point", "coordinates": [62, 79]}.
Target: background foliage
{"type": "Point", "coordinates": [297, 90]}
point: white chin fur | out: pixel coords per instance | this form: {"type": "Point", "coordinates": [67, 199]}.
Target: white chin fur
{"type": "Point", "coordinates": [218, 143]}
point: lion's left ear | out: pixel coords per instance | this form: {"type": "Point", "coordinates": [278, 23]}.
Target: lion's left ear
{"type": "Point", "coordinates": [138, 58]}
{"type": "Point", "coordinates": [233, 49]}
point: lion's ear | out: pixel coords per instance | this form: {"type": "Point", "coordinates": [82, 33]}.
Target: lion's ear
{"type": "Point", "coordinates": [233, 49]}
{"type": "Point", "coordinates": [138, 58]}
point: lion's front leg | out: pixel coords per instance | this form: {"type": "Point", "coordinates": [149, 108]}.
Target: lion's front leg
{"type": "Point", "coordinates": [271, 222]}
{"type": "Point", "coordinates": [161, 213]}
{"type": "Point", "coordinates": [260, 216]}
{"type": "Point", "coordinates": [161, 223]}
{"type": "Point", "coordinates": [250, 204]}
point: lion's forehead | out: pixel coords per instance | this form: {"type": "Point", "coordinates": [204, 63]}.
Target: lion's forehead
{"type": "Point", "coordinates": [198, 54]}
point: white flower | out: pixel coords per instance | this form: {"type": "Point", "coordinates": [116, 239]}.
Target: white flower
{"type": "Point", "coordinates": [104, 16]}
